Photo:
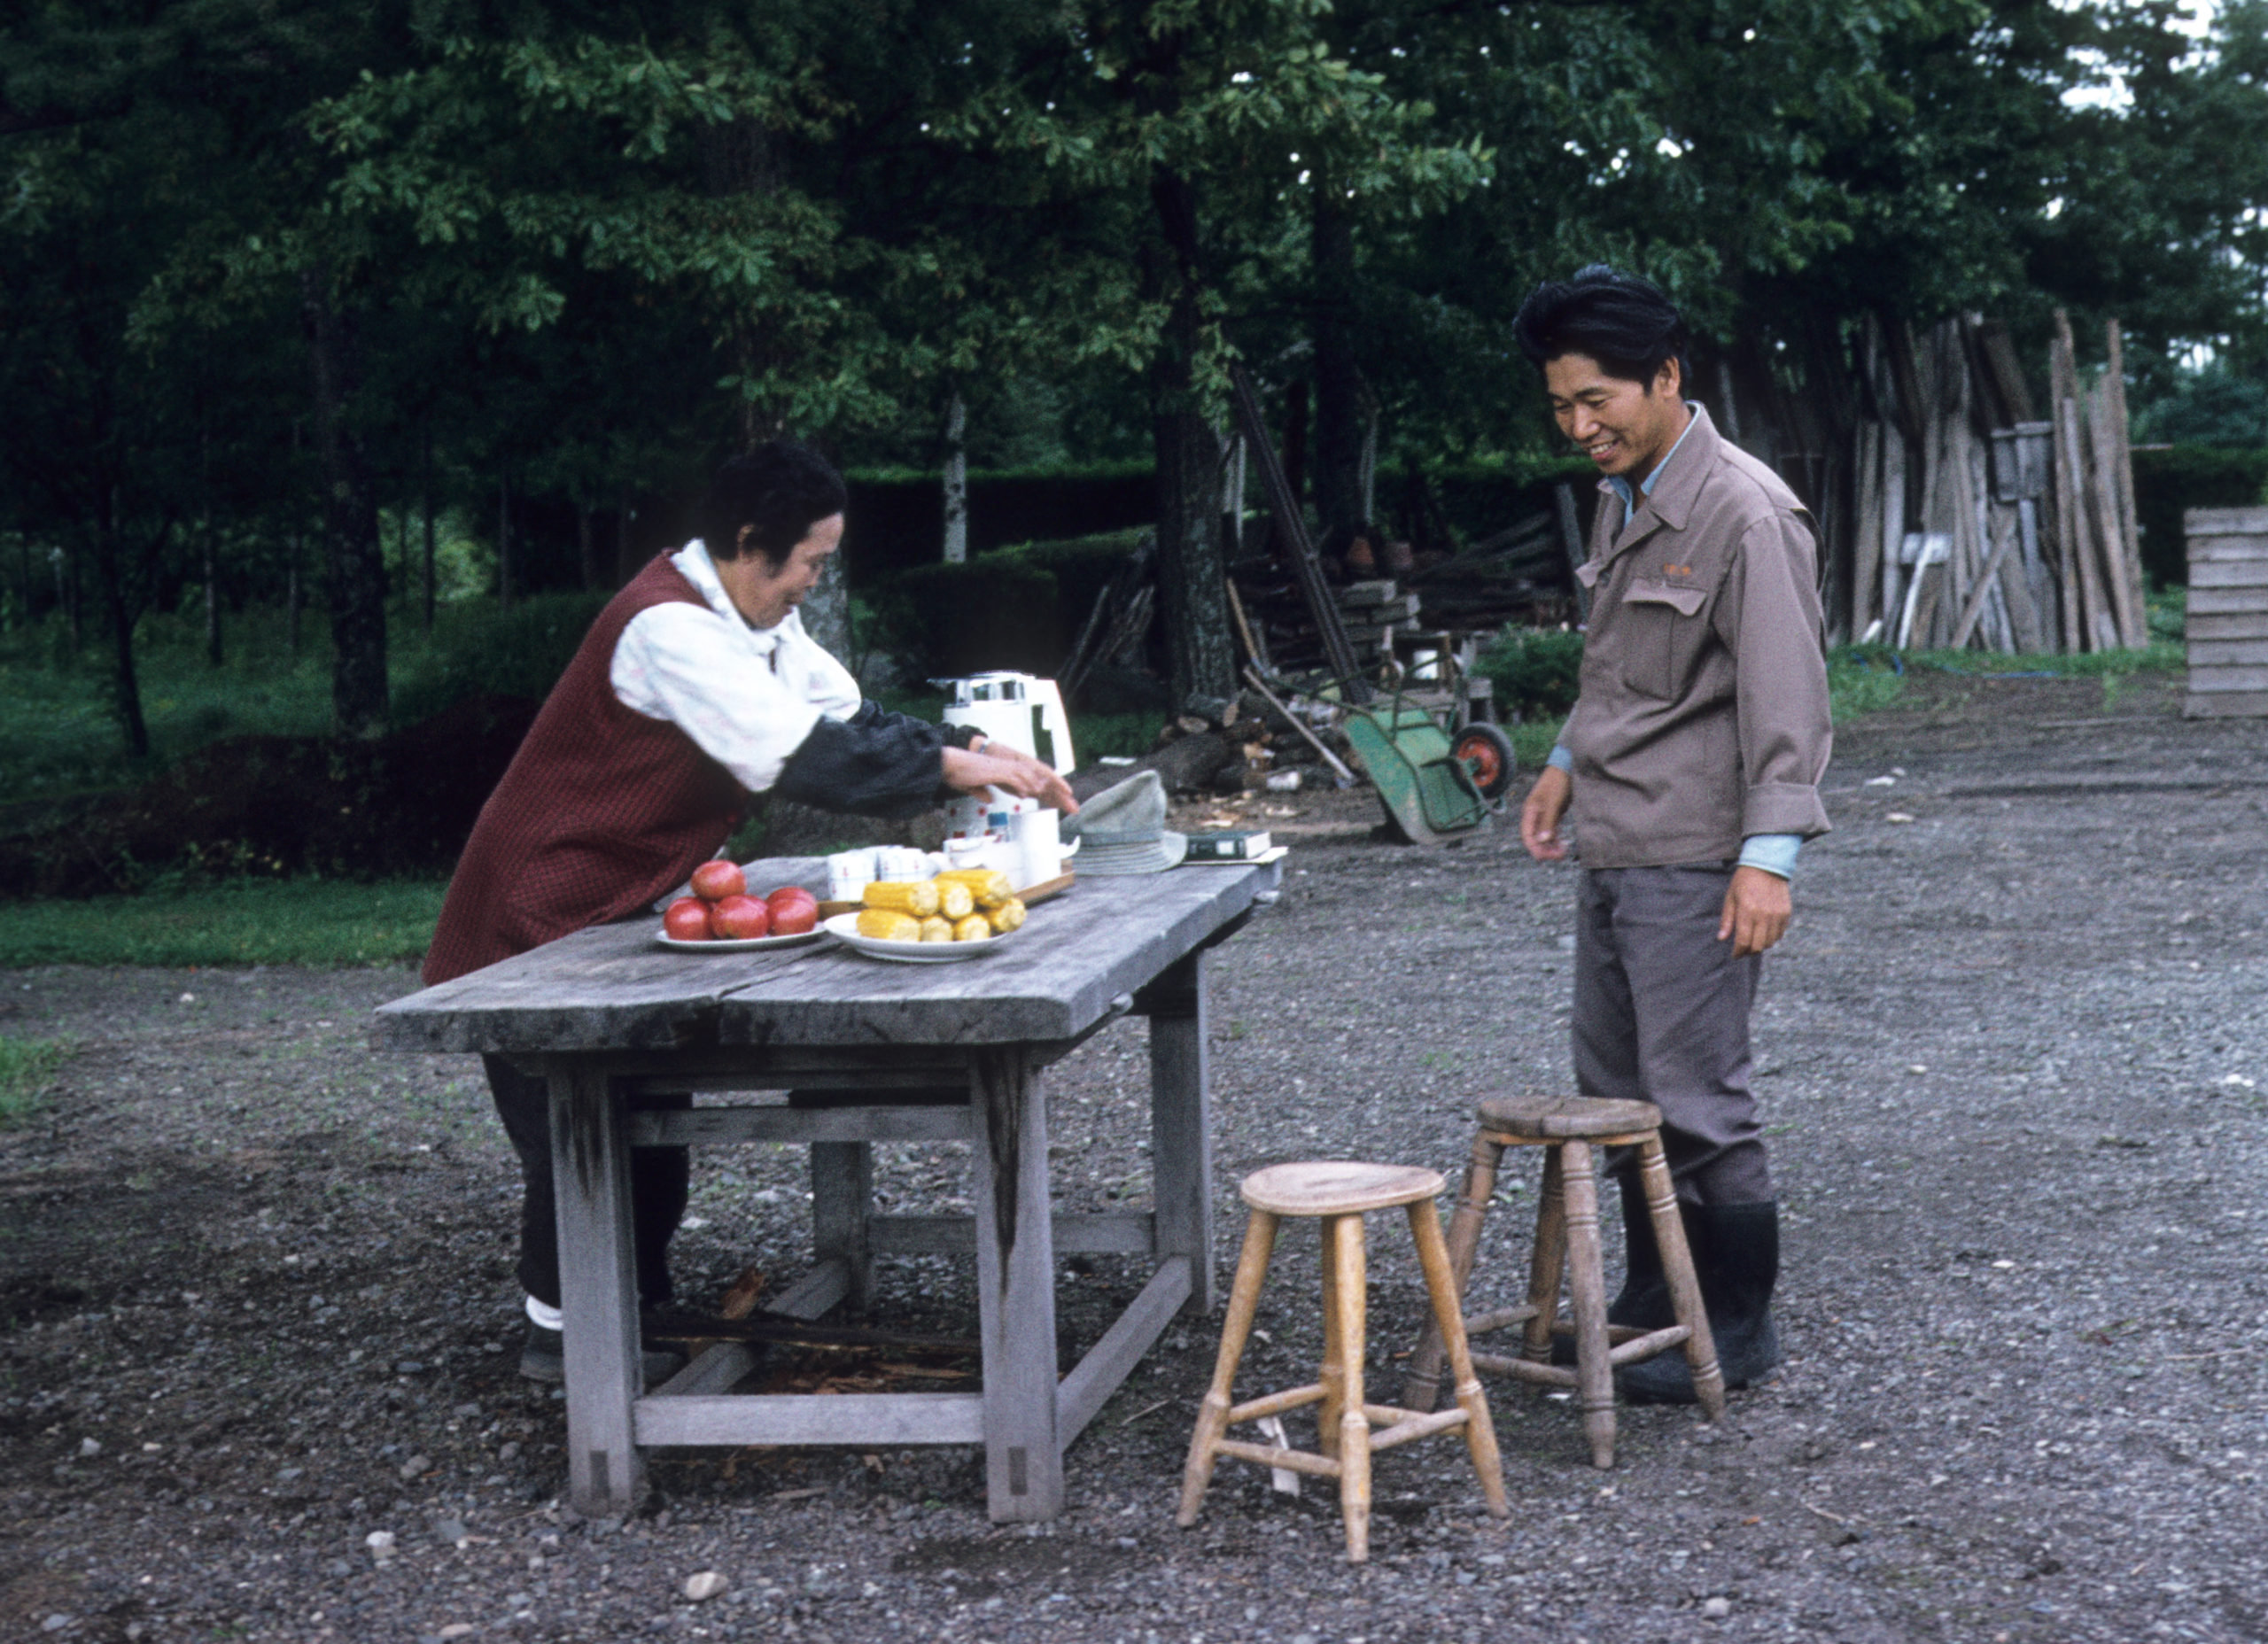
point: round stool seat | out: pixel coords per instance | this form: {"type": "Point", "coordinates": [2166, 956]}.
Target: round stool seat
{"type": "Point", "coordinates": [1566, 1118]}
{"type": "Point", "coordinates": [1338, 1187]}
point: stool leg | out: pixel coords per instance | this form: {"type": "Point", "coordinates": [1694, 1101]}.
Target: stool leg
{"type": "Point", "coordinates": [1685, 1286]}
{"type": "Point", "coordinates": [1421, 1387]}
{"type": "Point", "coordinates": [1346, 1232]}
{"type": "Point", "coordinates": [1213, 1416]}
{"type": "Point", "coordinates": [1549, 1260]}
{"type": "Point", "coordinates": [1333, 1376]}
{"type": "Point", "coordinates": [1587, 1277]}
{"type": "Point", "coordinates": [1449, 1318]}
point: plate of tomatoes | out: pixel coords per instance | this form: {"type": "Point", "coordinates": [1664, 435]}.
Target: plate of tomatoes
{"type": "Point", "coordinates": [721, 917]}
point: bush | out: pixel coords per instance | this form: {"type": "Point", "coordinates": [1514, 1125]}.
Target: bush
{"type": "Point", "coordinates": [478, 650]}
{"type": "Point", "coordinates": [1017, 607]}
{"type": "Point", "coordinates": [1534, 672]}
{"type": "Point", "coordinates": [2169, 482]}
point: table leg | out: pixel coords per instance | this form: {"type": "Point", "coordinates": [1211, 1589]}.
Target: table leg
{"type": "Point", "coordinates": [598, 1282]}
{"type": "Point", "coordinates": [1181, 1123]}
{"type": "Point", "coordinates": [843, 1202]}
{"type": "Point", "coordinates": [1016, 1287]}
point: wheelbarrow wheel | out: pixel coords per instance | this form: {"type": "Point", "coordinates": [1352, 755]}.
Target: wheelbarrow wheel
{"type": "Point", "coordinates": [1487, 753]}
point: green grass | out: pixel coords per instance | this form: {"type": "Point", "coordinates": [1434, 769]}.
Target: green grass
{"type": "Point", "coordinates": [321, 922]}
{"type": "Point", "coordinates": [25, 1066]}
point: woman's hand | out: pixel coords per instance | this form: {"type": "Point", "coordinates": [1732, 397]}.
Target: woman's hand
{"type": "Point", "coordinates": [973, 770]}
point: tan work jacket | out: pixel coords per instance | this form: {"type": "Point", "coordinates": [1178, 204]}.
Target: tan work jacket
{"type": "Point", "coordinates": [1703, 715]}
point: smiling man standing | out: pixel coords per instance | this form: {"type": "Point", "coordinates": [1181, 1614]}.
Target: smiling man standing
{"type": "Point", "coordinates": [1691, 764]}
{"type": "Point", "coordinates": [695, 690]}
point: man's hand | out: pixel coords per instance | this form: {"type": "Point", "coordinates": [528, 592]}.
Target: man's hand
{"type": "Point", "coordinates": [998, 765]}
{"type": "Point", "coordinates": [1757, 911]}
{"type": "Point", "coordinates": [1546, 802]}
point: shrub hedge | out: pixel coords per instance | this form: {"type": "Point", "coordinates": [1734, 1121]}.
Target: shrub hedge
{"type": "Point", "coordinates": [2169, 481]}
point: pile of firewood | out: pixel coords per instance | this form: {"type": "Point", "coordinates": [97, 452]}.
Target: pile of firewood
{"type": "Point", "coordinates": [2023, 540]}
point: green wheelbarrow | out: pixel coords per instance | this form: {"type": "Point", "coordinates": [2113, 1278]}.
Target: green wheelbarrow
{"type": "Point", "coordinates": [1436, 782]}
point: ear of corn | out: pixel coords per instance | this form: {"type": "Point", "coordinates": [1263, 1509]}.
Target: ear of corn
{"type": "Point", "coordinates": [975, 927]}
{"type": "Point", "coordinates": [919, 898]}
{"type": "Point", "coordinates": [936, 929]}
{"type": "Point", "coordinates": [955, 901]}
{"type": "Point", "coordinates": [889, 925]}
{"type": "Point", "coordinates": [989, 886]}
{"type": "Point", "coordinates": [1007, 915]}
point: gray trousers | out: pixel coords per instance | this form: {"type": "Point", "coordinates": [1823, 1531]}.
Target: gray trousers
{"type": "Point", "coordinates": [1661, 1016]}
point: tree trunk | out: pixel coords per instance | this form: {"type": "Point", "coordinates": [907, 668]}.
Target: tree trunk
{"type": "Point", "coordinates": [212, 598]}
{"type": "Point", "coordinates": [1193, 596]}
{"type": "Point", "coordinates": [587, 541]}
{"type": "Point", "coordinates": [624, 566]}
{"type": "Point", "coordinates": [956, 480]}
{"type": "Point", "coordinates": [355, 561]}
{"type": "Point", "coordinates": [118, 605]}
{"type": "Point", "coordinates": [1341, 401]}
{"type": "Point", "coordinates": [1295, 437]}
{"type": "Point", "coordinates": [426, 486]}
{"type": "Point", "coordinates": [504, 539]}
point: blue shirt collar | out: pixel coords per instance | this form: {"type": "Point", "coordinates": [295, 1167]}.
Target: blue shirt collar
{"type": "Point", "coordinates": [1646, 486]}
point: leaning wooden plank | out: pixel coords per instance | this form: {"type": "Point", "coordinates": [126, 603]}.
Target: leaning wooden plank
{"type": "Point", "coordinates": [1095, 1378]}
{"type": "Point", "coordinates": [850, 1418]}
{"type": "Point", "coordinates": [2230, 705]}
{"type": "Point", "coordinates": [2240, 625]}
{"type": "Point", "coordinates": [2212, 681]}
{"type": "Point", "coordinates": [714, 1371]}
{"type": "Point", "coordinates": [2229, 574]}
{"type": "Point", "coordinates": [2126, 610]}
{"type": "Point", "coordinates": [2219, 602]}
{"type": "Point", "coordinates": [773, 1123]}
{"type": "Point", "coordinates": [2248, 522]}
{"type": "Point", "coordinates": [2226, 653]}
{"type": "Point", "coordinates": [827, 1283]}
{"type": "Point", "coordinates": [1122, 1233]}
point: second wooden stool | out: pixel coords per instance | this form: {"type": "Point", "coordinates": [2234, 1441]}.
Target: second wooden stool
{"type": "Point", "coordinates": [1568, 1127]}
{"type": "Point", "coordinates": [1339, 1194]}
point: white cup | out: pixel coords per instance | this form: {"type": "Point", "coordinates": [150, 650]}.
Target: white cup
{"type": "Point", "coordinates": [1039, 839]}
{"type": "Point", "coordinates": [848, 873]}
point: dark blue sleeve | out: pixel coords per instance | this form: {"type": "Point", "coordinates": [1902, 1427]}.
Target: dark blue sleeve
{"type": "Point", "coordinates": [874, 764]}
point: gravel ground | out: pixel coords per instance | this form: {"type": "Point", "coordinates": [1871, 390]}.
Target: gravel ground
{"type": "Point", "coordinates": [256, 1316]}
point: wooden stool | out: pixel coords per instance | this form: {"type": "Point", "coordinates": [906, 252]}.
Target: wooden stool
{"type": "Point", "coordinates": [1566, 1234]}
{"type": "Point", "coordinates": [1339, 1194]}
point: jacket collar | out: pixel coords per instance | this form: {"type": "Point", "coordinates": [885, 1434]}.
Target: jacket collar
{"type": "Point", "coordinates": [1677, 485]}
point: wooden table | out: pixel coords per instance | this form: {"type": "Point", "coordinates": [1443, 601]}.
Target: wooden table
{"type": "Point", "coordinates": [906, 1052]}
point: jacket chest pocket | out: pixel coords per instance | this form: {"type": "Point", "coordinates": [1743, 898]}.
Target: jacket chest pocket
{"type": "Point", "coordinates": [1660, 626]}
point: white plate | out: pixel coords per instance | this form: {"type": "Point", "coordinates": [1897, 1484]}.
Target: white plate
{"type": "Point", "coordinates": [743, 944]}
{"type": "Point", "coordinates": [844, 928]}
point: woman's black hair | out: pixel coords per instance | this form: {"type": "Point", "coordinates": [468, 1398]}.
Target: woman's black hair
{"type": "Point", "coordinates": [779, 492]}
{"type": "Point", "coordinates": [1619, 319]}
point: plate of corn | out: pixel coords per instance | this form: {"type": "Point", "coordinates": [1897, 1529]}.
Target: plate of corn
{"type": "Point", "coordinates": [959, 914]}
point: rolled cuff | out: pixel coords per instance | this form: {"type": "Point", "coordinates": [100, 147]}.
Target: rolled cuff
{"type": "Point", "coordinates": [1774, 853]}
{"type": "Point", "coordinates": [1561, 759]}
{"type": "Point", "coordinates": [1784, 808]}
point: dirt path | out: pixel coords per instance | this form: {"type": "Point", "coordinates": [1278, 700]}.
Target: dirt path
{"type": "Point", "coordinates": [258, 1308]}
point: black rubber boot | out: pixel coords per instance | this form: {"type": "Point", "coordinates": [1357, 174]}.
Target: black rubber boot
{"type": "Point", "coordinates": [1643, 1303]}
{"type": "Point", "coordinates": [1736, 1256]}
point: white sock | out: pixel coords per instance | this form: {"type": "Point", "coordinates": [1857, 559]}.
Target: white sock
{"type": "Point", "coordinates": [545, 1314]}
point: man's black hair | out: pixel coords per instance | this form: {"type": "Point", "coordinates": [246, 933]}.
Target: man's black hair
{"type": "Point", "coordinates": [779, 491]}
{"type": "Point", "coordinates": [1619, 319]}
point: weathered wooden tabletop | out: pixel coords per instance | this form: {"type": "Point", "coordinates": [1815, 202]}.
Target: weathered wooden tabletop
{"type": "Point", "coordinates": [614, 987]}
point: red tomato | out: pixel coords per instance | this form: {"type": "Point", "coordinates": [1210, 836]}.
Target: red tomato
{"type": "Point", "coordinates": [736, 918]}
{"type": "Point", "coordinates": [687, 920]}
{"type": "Point", "coordinates": [713, 881]}
{"type": "Point", "coordinates": [793, 911]}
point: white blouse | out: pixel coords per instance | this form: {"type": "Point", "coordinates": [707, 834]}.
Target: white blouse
{"type": "Point", "coordinates": [746, 696]}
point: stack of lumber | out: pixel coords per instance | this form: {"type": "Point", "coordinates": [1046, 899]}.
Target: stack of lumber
{"type": "Point", "coordinates": [1976, 523]}
{"type": "Point", "coordinates": [2228, 614]}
